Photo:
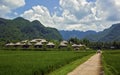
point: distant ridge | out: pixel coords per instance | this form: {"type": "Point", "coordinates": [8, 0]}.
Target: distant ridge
{"type": "Point", "coordinates": [108, 35]}
{"type": "Point", "coordinates": [75, 33]}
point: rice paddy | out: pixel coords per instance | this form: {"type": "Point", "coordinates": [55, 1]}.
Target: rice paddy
{"type": "Point", "coordinates": [36, 62]}
{"type": "Point", "coordinates": [111, 62]}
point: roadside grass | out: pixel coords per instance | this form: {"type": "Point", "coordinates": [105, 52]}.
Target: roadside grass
{"type": "Point", "coordinates": [69, 67]}
{"type": "Point", "coordinates": [36, 62]}
{"type": "Point", "coordinates": [111, 62]}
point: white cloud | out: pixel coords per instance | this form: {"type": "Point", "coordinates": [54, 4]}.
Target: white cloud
{"type": "Point", "coordinates": [6, 6]}
{"type": "Point", "coordinates": [108, 9]}
{"type": "Point", "coordinates": [79, 8]}
{"type": "Point", "coordinates": [78, 14]}
{"type": "Point", "coordinates": [40, 13]}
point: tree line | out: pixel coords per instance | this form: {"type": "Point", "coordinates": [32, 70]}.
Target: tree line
{"type": "Point", "coordinates": [96, 45]}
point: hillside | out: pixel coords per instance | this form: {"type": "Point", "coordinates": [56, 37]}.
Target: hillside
{"type": "Point", "coordinates": [108, 35]}
{"type": "Point", "coordinates": [21, 29]}
{"type": "Point", "coordinates": [75, 33]}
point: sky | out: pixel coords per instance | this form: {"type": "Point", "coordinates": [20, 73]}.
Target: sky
{"type": "Point", "coordinates": [80, 15]}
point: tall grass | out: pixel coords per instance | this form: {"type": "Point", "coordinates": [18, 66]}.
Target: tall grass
{"type": "Point", "coordinates": [111, 62]}
{"type": "Point", "coordinates": [35, 62]}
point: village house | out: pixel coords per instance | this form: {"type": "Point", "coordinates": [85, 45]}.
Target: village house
{"type": "Point", "coordinates": [76, 46]}
{"type": "Point", "coordinates": [18, 44]}
{"type": "Point", "coordinates": [65, 42]}
{"type": "Point", "coordinates": [38, 45]}
{"type": "Point", "coordinates": [33, 41]}
{"type": "Point", "coordinates": [50, 45]}
{"type": "Point", "coordinates": [26, 45]}
{"type": "Point", "coordinates": [10, 44]}
{"type": "Point", "coordinates": [62, 45]}
{"type": "Point", "coordinates": [43, 41]}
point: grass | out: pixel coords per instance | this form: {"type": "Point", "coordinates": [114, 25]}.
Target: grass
{"type": "Point", "coordinates": [36, 62]}
{"type": "Point", "coordinates": [111, 62]}
{"type": "Point", "coordinates": [69, 67]}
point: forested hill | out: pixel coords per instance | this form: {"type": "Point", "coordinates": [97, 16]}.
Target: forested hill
{"type": "Point", "coordinates": [108, 35]}
{"type": "Point", "coordinates": [21, 29]}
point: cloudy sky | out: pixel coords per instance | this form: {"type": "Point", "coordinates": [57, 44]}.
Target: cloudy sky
{"type": "Point", "coordinates": [80, 15]}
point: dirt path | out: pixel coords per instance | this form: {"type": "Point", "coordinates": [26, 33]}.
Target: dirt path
{"type": "Point", "coordinates": [91, 67]}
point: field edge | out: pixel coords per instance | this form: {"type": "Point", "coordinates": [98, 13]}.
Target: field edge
{"type": "Point", "coordinates": [69, 67]}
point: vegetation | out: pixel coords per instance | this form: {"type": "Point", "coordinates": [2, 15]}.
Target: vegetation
{"type": "Point", "coordinates": [108, 35]}
{"type": "Point", "coordinates": [69, 67]}
{"type": "Point", "coordinates": [111, 62]}
{"type": "Point", "coordinates": [21, 29]}
{"type": "Point", "coordinates": [96, 45]}
{"type": "Point", "coordinates": [35, 62]}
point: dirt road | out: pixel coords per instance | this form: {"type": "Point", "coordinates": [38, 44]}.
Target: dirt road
{"type": "Point", "coordinates": [91, 67]}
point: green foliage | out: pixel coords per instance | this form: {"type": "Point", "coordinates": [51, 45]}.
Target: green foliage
{"type": "Point", "coordinates": [21, 29]}
{"type": "Point", "coordinates": [111, 62]}
{"type": "Point", "coordinates": [108, 35]}
{"type": "Point", "coordinates": [35, 62]}
{"type": "Point", "coordinates": [74, 40]}
{"type": "Point", "coordinates": [105, 45]}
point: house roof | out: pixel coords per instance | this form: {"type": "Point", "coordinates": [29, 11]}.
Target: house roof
{"type": "Point", "coordinates": [43, 40]}
{"type": "Point", "coordinates": [18, 43]}
{"type": "Point", "coordinates": [10, 44]}
{"type": "Point", "coordinates": [37, 39]}
{"type": "Point", "coordinates": [33, 41]}
{"type": "Point", "coordinates": [63, 44]}
{"type": "Point", "coordinates": [38, 43]}
{"type": "Point", "coordinates": [75, 45]}
{"type": "Point", "coordinates": [50, 43]}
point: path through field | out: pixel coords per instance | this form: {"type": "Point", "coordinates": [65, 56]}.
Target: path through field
{"type": "Point", "coordinates": [91, 67]}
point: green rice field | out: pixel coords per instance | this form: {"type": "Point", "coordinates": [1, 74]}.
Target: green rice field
{"type": "Point", "coordinates": [36, 62]}
{"type": "Point", "coordinates": [111, 62]}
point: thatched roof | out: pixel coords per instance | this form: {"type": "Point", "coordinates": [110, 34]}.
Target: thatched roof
{"type": "Point", "coordinates": [50, 43]}
{"type": "Point", "coordinates": [33, 41]}
{"type": "Point", "coordinates": [38, 43]}
{"type": "Point", "coordinates": [18, 43]}
{"type": "Point", "coordinates": [63, 44]}
{"type": "Point", "coordinates": [81, 45]}
{"type": "Point", "coordinates": [43, 41]}
{"type": "Point", "coordinates": [38, 40]}
{"type": "Point", "coordinates": [75, 45]}
{"type": "Point", "coordinates": [10, 44]}
{"type": "Point", "coordinates": [28, 43]}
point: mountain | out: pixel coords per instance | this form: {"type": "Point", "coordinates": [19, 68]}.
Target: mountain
{"type": "Point", "coordinates": [22, 29]}
{"type": "Point", "coordinates": [75, 33]}
{"type": "Point", "coordinates": [108, 35]}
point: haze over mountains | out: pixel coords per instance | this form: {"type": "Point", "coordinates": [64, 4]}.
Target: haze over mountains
{"type": "Point", "coordinates": [75, 33]}
{"type": "Point", "coordinates": [108, 35]}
